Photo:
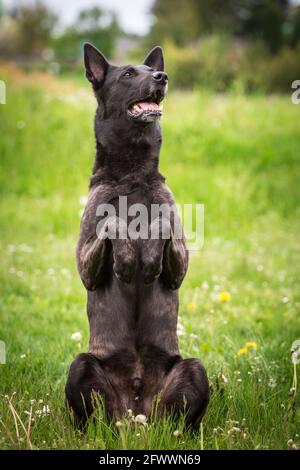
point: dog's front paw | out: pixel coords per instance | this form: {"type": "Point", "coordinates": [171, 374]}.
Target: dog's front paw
{"type": "Point", "coordinates": [151, 269]}
{"type": "Point", "coordinates": [124, 262]}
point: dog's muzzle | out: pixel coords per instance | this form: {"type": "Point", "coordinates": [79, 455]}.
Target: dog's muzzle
{"type": "Point", "coordinates": [149, 108]}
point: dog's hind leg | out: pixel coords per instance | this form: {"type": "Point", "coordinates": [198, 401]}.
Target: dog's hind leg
{"type": "Point", "coordinates": [87, 378]}
{"type": "Point", "coordinates": [186, 390]}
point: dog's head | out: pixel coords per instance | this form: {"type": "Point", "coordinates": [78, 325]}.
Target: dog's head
{"type": "Point", "coordinates": [131, 92]}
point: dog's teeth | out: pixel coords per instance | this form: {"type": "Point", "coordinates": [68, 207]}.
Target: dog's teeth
{"type": "Point", "coordinates": [136, 108]}
{"type": "Point", "coordinates": [149, 106]}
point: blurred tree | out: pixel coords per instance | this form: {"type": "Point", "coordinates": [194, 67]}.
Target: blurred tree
{"type": "Point", "coordinates": [263, 20]}
{"type": "Point", "coordinates": [252, 19]}
{"type": "Point", "coordinates": [35, 24]}
{"type": "Point", "coordinates": [25, 29]}
{"type": "Point", "coordinates": [92, 25]}
{"type": "Point", "coordinates": [176, 20]}
{"type": "Point", "coordinates": [89, 19]}
{"type": "Point", "coordinates": [292, 27]}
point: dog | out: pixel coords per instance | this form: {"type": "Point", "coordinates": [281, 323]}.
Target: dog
{"type": "Point", "coordinates": [132, 283]}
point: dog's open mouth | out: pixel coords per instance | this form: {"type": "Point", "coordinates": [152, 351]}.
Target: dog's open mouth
{"type": "Point", "coordinates": [146, 109]}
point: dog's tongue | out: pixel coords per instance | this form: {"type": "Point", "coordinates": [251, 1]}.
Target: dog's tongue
{"type": "Point", "coordinates": [146, 106]}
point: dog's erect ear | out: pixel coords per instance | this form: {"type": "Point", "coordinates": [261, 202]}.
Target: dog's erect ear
{"type": "Point", "coordinates": [155, 59]}
{"type": "Point", "coordinates": [96, 65]}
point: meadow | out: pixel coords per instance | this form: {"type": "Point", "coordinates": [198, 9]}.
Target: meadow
{"type": "Point", "coordinates": [239, 304]}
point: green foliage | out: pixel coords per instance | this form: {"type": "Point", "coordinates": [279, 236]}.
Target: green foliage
{"type": "Point", "coordinates": [87, 28]}
{"type": "Point", "coordinates": [211, 63]}
{"type": "Point", "coordinates": [282, 69]}
{"type": "Point", "coordinates": [247, 44]}
{"type": "Point", "coordinates": [219, 63]}
{"type": "Point", "coordinates": [174, 20]}
{"type": "Point", "coordinates": [237, 154]}
{"type": "Point", "coordinates": [264, 20]}
{"type": "Point", "coordinates": [29, 32]}
{"type": "Point", "coordinates": [292, 27]}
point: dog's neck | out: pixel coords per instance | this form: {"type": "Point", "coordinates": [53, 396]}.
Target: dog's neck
{"type": "Point", "coordinates": [126, 148]}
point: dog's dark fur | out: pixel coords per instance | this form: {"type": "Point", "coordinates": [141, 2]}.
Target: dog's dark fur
{"type": "Point", "coordinates": [132, 285]}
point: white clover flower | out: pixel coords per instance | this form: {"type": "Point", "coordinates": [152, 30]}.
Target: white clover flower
{"type": "Point", "coordinates": [180, 330]}
{"type": "Point", "coordinates": [77, 337]}
{"type": "Point", "coordinates": [83, 200]}
{"type": "Point", "coordinates": [213, 296]}
{"type": "Point", "coordinates": [193, 336]}
{"type": "Point", "coordinates": [140, 419]}
{"type": "Point", "coordinates": [66, 272]}
{"type": "Point", "coordinates": [44, 411]}
{"type": "Point", "coordinates": [295, 357]}
{"type": "Point", "coordinates": [20, 125]}
{"type": "Point", "coordinates": [272, 383]}
{"type": "Point", "coordinates": [234, 430]}
{"type": "Point", "coordinates": [22, 356]}
{"type": "Point", "coordinates": [25, 248]}
{"type": "Point", "coordinates": [224, 378]}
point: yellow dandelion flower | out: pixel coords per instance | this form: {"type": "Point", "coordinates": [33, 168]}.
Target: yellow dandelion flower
{"type": "Point", "coordinates": [191, 307]}
{"type": "Point", "coordinates": [224, 296]}
{"type": "Point", "coordinates": [249, 346]}
{"type": "Point", "coordinates": [242, 352]}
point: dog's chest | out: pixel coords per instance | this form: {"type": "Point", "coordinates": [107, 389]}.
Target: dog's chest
{"type": "Point", "coordinates": [135, 206]}
{"type": "Point", "coordinates": [139, 195]}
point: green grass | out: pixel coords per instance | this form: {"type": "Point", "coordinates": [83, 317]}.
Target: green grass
{"type": "Point", "coordinates": [237, 155]}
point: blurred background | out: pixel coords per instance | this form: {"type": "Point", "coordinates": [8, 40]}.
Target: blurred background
{"type": "Point", "coordinates": [250, 44]}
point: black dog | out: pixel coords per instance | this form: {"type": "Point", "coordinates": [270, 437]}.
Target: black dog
{"type": "Point", "coordinates": [132, 284]}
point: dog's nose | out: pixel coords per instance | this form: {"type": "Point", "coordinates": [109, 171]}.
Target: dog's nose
{"type": "Point", "coordinates": [160, 77]}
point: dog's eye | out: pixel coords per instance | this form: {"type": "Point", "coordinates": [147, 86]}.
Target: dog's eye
{"type": "Point", "coordinates": [127, 74]}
